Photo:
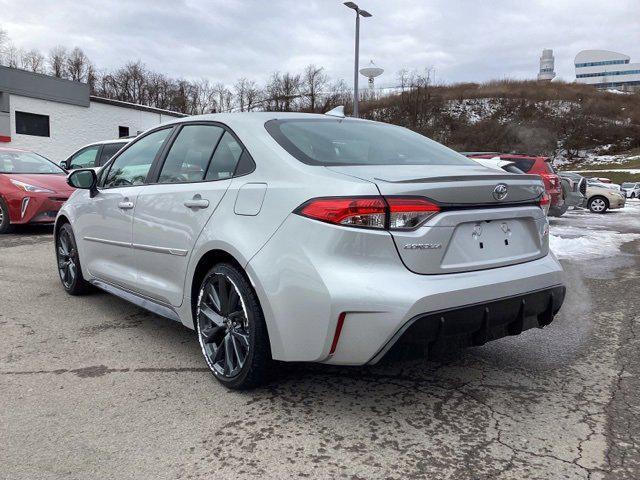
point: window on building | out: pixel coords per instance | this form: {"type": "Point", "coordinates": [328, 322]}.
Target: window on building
{"type": "Point", "coordinates": [32, 124]}
{"type": "Point", "coordinates": [132, 166]}
{"type": "Point", "coordinates": [123, 132]}
{"type": "Point", "coordinates": [189, 156]}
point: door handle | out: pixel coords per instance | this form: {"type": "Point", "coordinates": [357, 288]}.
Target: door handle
{"type": "Point", "coordinates": [126, 205]}
{"type": "Point", "coordinates": [197, 202]}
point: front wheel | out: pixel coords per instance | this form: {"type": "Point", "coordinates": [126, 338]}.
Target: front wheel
{"type": "Point", "coordinates": [598, 204]}
{"type": "Point", "coordinates": [5, 223]}
{"type": "Point", "coordinates": [69, 262]}
{"type": "Point", "coordinates": [231, 329]}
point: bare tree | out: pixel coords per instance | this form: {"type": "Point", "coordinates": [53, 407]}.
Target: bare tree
{"type": "Point", "coordinates": [223, 97]}
{"type": "Point", "coordinates": [253, 96]}
{"type": "Point", "coordinates": [57, 61]}
{"type": "Point", "coordinates": [33, 61]}
{"type": "Point", "coordinates": [12, 56]}
{"type": "Point", "coordinates": [314, 80]}
{"type": "Point", "coordinates": [77, 65]}
{"type": "Point", "coordinates": [4, 44]}
{"type": "Point", "coordinates": [204, 100]}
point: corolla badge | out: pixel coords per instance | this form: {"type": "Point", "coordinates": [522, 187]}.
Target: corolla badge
{"type": "Point", "coordinates": [500, 191]}
{"type": "Point", "coordinates": [422, 246]}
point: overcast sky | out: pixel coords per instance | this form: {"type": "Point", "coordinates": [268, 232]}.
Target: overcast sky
{"type": "Point", "coordinates": [463, 40]}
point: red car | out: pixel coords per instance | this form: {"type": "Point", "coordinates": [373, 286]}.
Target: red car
{"type": "Point", "coordinates": [32, 188]}
{"type": "Point", "coordinates": [536, 166]}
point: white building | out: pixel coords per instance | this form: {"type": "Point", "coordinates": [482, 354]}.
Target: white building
{"type": "Point", "coordinates": [547, 62]}
{"type": "Point", "coordinates": [605, 69]}
{"type": "Point", "coordinates": [55, 117]}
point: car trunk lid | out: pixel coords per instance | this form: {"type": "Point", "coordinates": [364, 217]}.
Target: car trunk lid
{"type": "Point", "coordinates": [476, 228]}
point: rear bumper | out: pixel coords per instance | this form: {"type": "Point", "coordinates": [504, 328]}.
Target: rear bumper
{"type": "Point", "coordinates": [477, 324]}
{"type": "Point", "coordinates": [617, 203]}
{"type": "Point", "coordinates": [310, 273]}
{"type": "Point", "coordinates": [574, 199]}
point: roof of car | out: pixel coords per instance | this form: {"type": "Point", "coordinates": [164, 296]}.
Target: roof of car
{"type": "Point", "coordinates": [104, 142]}
{"type": "Point", "coordinates": [248, 118]}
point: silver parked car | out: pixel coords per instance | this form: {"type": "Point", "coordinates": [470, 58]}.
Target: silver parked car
{"type": "Point", "coordinates": [94, 155]}
{"type": "Point", "coordinates": [316, 238]}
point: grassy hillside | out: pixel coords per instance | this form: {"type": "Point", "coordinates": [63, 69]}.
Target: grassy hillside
{"type": "Point", "coordinates": [556, 119]}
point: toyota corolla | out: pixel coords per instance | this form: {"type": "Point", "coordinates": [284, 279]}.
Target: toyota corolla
{"type": "Point", "coordinates": [310, 238]}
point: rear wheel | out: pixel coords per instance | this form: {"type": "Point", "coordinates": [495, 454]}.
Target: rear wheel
{"type": "Point", "coordinates": [598, 204]}
{"type": "Point", "coordinates": [231, 329]}
{"type": "Point", "coordinates": [5, 224]}
{"type": "Point", "coordinates": [69, 262]}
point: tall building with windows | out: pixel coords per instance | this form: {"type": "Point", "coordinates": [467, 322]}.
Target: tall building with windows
{"type": "Point", "coordinates": [605, 69]}
{"type": "Point", "coordinates": [547, 61]}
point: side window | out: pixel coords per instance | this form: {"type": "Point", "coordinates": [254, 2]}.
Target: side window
{"type": "Point", "coordinates": [132, 166]}
{"type": "Point", "coordinates": [85, 158]}
{"type": "Point", "coordinates": [224, 161]}
{"type": "Point", "coordinates": [108, 151]}
{"type": "Point", "coordinates": [190, 153]}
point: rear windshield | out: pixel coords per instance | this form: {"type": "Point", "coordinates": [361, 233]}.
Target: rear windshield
{"type": "Point", "coordinates": [524, 164]}
{"type": "Point", "coordinates": [330, 142]}
{"type": "Point", "coordinates": [628, 184]}
{"type": "Point", "coordinates": [549, 167]}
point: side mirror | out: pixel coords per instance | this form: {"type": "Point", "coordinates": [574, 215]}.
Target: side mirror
{"type": "Point", "coordinates": [85, 179]}
{"type": "Point", "coordinates": [63, 165]}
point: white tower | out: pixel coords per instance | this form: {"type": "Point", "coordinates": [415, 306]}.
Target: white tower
{"type": "Point", "coordinates": [372, 71]}
{"type": "Point", "coordinates": [546, 66]}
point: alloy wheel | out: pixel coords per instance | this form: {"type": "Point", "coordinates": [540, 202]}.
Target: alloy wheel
{"type": "Point", "coordinates": [67, 266]}
{"type": "Point", "coordinates": [598, 205]}
{"type": "Point", "coordinates": [223, 325]}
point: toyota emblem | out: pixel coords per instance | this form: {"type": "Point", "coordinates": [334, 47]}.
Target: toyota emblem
{"type": "Point", "coordinates": [500, 191]}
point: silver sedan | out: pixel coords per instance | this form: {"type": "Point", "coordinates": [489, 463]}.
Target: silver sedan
{"type": "Point", "coordinates": [315, 238]}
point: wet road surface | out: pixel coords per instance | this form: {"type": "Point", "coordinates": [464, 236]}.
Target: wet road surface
{"type": "Point", "coordinates": [93, 387]}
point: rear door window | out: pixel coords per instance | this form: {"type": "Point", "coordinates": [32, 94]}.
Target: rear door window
{"type": "Point", "coordinates": [225, 159]}
{"type": "Point", "coordinates": [108, 151]}
{"type": "Point", "coordinates": [190, 154]}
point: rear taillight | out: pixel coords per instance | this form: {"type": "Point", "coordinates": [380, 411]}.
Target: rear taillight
{"type": "Point", "coordinates": [554, 180]}
{"type": "Point", "coordinates": [545, 202]}
{"type": "Point", "coordinates": [369, 212]}
{"type": "Point", "coordinates": [407, 213]}
{"type": "Point", "coordinates": [393, 213]}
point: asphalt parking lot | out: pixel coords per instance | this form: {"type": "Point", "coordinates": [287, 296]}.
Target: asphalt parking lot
{"type": "Point", "coordinates": [93, 387]}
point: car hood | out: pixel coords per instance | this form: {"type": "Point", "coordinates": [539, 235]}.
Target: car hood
{"type": "Point", "coordinates": [55, 182]}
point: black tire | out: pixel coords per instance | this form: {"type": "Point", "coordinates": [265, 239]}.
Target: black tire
{"type": "Point", "coordinates": [598, 204]}
{"type": "Point", "coordinates": [5, 222]}
{"type": "Point", "coordinates": [68, 262]}
{"type": "Point", "coordinates": [558, 211]}
{"type": "Point", "coordinates": [232, 333]}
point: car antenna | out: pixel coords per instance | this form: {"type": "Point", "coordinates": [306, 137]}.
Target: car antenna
{"type": "Point", "coordinates": [336, 112]}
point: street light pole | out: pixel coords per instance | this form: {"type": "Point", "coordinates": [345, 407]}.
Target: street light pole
{"type": "Point", "coordinates": [359, 13]}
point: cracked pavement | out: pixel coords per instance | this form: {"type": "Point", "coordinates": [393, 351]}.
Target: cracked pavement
{"type": "Point", "coordinates": [95, 387]}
